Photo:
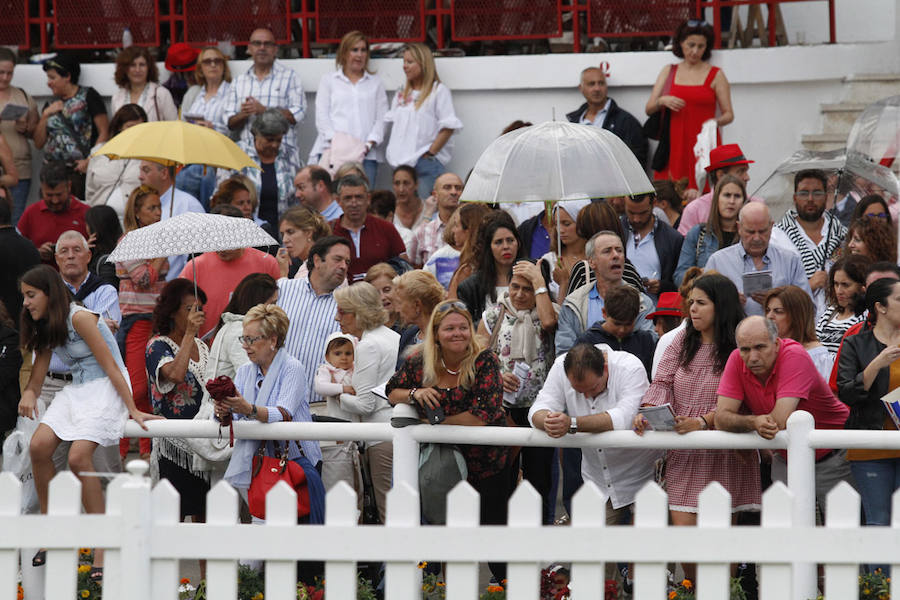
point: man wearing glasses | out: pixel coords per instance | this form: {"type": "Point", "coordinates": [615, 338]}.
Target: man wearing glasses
{"type": "Point", "coordinates": [266, 84]}
{"type": "Point", "coordinates": [815, 234]}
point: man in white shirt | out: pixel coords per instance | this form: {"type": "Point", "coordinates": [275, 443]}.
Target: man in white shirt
{"type": "Point", "coordinates": [266, 84]}
{"type": "Point", "coordinates": [592, 389]}
{"type": "Point", "coordinates": [172, 200]}
{"type": "Point", "coordinates": [428, 236]}
{"type": "Point", "coordinates": [313, 189]}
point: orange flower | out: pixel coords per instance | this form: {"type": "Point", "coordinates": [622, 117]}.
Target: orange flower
{"type": "Point", "coordinates": [673, 594]}
{"type": "Point", "coordinates": [686, 584]}
{"type": "Point", "coordinates": [494, 588]}
{"type": "Point", "coordinates": [185, 580]}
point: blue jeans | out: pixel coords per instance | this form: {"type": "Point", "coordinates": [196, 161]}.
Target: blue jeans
{"type": "Point", "coordinates": [876, 481]}
{"type": "Point", "coordinates": [192, 180]}
{"type": "Point", "coordinates": [371, 168]}
{"type": "Point", "coordinates": [20, 199]}
{"type": "Point", "coordinates": [428, 169]}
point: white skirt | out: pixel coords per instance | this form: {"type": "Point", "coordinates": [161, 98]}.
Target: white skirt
{"type": "Point", "coordinates": [90, 411]}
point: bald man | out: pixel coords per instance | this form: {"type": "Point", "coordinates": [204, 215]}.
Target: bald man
{"type": "Point", "coordinates": [756, 264]}
{"type": "Point", "coordinates": [600, 110]}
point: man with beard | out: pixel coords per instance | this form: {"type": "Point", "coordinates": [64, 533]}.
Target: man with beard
{"type": "Point", "coordinates": [814, 233]}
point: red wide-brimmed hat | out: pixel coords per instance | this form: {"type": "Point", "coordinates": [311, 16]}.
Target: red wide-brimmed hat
{"type": "Point", "coordinates": [726, 155]}
{"type": "Point", "coordinates": [181, 57]}
{"type": "Point", "coordinates": [669, 305]}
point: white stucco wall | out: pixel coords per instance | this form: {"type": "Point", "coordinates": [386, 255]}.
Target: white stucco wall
{"type": "Point", "coordinates": [776, 92]}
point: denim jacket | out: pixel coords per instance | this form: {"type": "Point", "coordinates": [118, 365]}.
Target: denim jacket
{"type": "Point", "coordinates": [694, 251]}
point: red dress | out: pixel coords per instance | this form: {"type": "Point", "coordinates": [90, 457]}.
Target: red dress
{"type": "Point", "coordinates": [700, 106]}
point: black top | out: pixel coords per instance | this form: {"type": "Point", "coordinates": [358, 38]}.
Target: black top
{"type": "Point", "coordinates": [268, 194]}
{"type": "Point", "coordinates": [640, 342]}
{"type": "Point", "coordinates": [17, 255]}
{"type": "Point", "coordinates": [624, 125]}
{"type": "Point", "coordinates": [866, 408]}
{"type": "Point", "coordinates": [10, 363]}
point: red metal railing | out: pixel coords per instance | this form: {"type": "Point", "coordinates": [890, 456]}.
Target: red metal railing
{"type": "Point", "coordinates": [99, 23]}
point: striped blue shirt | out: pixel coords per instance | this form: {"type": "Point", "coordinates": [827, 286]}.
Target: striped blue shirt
{"type": "Point", "coordinates": [311, 322]}
{"type": "Point", "coordinates": [281, 88]}
{"type": "Point", "coordinates": [212, 110]}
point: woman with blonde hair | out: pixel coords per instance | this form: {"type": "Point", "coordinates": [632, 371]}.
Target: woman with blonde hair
{"type": "Point", "coordinates": [360, 314]}
{"type": "Point", "coordinates": [350, 106]}
{"type": "Point", "coordinates": [299, 228]}
{"type": "Point", "coordinates": [416, 293]}
{"type": "Point", "coordinates": [424, 119]}
{"type": "Point", "coordinates": [138, 79]}
{"type": "Point", "coordinates": [453, 373]}
{"type": "Point", "coordinates": [204, 105]}
{"type": "Point", "coordinates": [382, 276]}
{"type": "Point", "coordinates": [280, 397]}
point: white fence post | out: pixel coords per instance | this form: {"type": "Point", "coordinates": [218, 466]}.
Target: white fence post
{"type": "Point", "coordinates": [777, 512]}
{"type": "Point", "coordinates": [10, 506]}
{"type": "Point", "coordinates": [524, 578]}
{"type": "Point", "coordinates": [281, 575]}
{"type": "Point", "coordinates": [895, 524]}
{"type": "Point", "coordinates": [588, 513]}
{"type": "Point", "coordinates": [340, 511]}
{"type": "Point", "coordinates": [166, 513]}
{"type": "Point", "coordinates": [131, 500]}
{"type": "Point", "coordinates": [842, 513]}
{"type": "Point", "coordinates": [463, 512]}
{"type": "Point", "coordinates": [221, 509]}
{"type": "Point", "coordinates": [406, 458]}
{"type": "Point", "coordinates": [402, 580]}
{"type": "Point", "coordinates": [651, 510]}
{"type": "Point", "coordinates": [801, 471]}
{"type": "Point", "coordinates": [714, 512]}
{"type": "Point", "coordinates": [60, 572]}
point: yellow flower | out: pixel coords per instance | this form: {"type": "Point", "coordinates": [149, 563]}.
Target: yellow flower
{"type": "Point", "coordinates": [442, 584]}
{"type": "Point", "coordinates": [673, 594]}
{"type": "Point", "coordinates": [84, 568]}
{"type": "Point", "coordinates": [258, 596]}
{"type": "Point", "coordinates": [686, 584]}
{"type": "Point", "coordinates": [867, 591]}
{"type": "Point", "coordinates": [85, 593]}
{"type": "Point", "coordinates": [423, 564]}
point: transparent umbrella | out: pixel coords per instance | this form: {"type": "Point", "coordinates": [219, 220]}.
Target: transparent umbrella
{"type": "Point", "coordinates": [876, 132]}
{"type": "Point", "coordinates": [555, 161]}
{"type": "Point", "coordinates": [848, 172]}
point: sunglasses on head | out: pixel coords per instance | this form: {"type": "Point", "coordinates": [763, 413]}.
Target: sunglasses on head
{"type": "Point", "coordinates": [697, 23]}
{"type": "Point", "coordinates": [456, 304]}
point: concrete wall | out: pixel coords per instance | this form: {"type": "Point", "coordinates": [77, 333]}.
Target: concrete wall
{"type": "Point", "coordinates": [776, 92]}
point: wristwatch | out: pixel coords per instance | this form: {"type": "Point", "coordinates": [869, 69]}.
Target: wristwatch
{"type": "Point", "coordinates": [253, 411]}
{"type": "Point", "coordinates": [573, 426]}
{"type": "Point", "coordinates": [540, 290]}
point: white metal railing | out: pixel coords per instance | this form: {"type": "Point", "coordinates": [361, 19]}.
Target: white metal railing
{"type": "Point", "coordinates": [145, 539]}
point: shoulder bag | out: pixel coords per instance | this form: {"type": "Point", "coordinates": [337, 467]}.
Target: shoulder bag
{"type": "Point", "coordinates": [269, 470]}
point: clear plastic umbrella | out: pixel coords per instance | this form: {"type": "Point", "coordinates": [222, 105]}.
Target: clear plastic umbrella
{"type": "Point", "coordinates": [555, 161]}
{"type": "Point", "coordinates": [876, 132]}
{"type": "Point", "coordinates": [848, 172]}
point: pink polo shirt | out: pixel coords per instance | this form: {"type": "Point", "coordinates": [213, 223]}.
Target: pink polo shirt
{"type": "Point", "coordinates": [794, 376]}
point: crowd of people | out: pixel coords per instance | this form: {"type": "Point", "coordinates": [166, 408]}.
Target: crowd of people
{"type": "Point", "coordinates": [568, 320]}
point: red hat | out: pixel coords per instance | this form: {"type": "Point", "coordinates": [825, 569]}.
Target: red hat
{"type": "Point", "coordinates": [181, 58]}
{"type": "Point", "coordinates": [669, 305]}
{"type": "Point", "coordinates": [726, 155]}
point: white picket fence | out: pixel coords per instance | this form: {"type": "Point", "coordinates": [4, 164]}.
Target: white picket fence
{"type": "Point", "coordinates": [145, 539]}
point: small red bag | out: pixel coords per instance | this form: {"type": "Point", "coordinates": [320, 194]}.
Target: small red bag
{"type": "Point", "coordinates": [268, 470]}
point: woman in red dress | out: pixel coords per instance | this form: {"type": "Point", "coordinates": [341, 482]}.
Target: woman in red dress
{"type": "Point", "coordinates": [691, 90]}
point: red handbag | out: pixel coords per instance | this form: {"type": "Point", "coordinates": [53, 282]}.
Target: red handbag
{"type": "Point", "coordinates": [269, 470]}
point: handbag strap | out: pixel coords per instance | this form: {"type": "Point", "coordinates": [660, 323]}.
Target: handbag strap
{"type": "Point", "coordinates": [496, 332]}
{"type": "Point", "coordinates": [282, 451]}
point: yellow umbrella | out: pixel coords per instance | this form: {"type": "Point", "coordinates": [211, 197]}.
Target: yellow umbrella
{"type": "Point", "coordinates": [177, 143]}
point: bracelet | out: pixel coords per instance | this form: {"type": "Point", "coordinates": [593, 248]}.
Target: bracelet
{"type": "Point", "coordinates": [253, 411]}
{"type": "Point", "coordinates": [541, 290]}
{"type": "Point", "coordinates": [412, 395]}
{"type": "Point", "coordinates": [705, 422]}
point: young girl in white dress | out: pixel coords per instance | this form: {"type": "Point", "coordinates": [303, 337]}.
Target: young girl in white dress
{"type": "Point", "coordinates": [92, 410]}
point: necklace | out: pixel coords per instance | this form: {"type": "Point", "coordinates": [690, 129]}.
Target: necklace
{"type": "Point", "coordinates": [446, 368]}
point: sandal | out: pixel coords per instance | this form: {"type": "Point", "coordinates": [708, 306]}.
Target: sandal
{"type": "Point", "coordinates": [40, 558]}
{"type": "Point", "coordinates": [96, 574]}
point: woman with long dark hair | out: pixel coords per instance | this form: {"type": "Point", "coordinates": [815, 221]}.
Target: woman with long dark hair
{"type": "Point", "coordinates": [104, 231]}
{"type": "Point", "coordinates": [89, 412]}
{"type": "Point", "coordinates": [138, 79]}
{"type": "Point", "coordinates": [688, 379]}
{"type": "Point", "coordinates": [498, 249]}
{"type": "Point", "coordinates": [845, 298]}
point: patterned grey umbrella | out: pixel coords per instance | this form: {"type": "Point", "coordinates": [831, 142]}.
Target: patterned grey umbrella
{"type": "Point", "coordinates": [190, 233]}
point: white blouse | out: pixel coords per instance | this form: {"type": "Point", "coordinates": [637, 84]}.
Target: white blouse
{"type": "Point", "coordinates": [356, 109]}
{"type": "Point", "coordinates": [415, 130]}
{"type": "Point", "coordinates": [155, 100]}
